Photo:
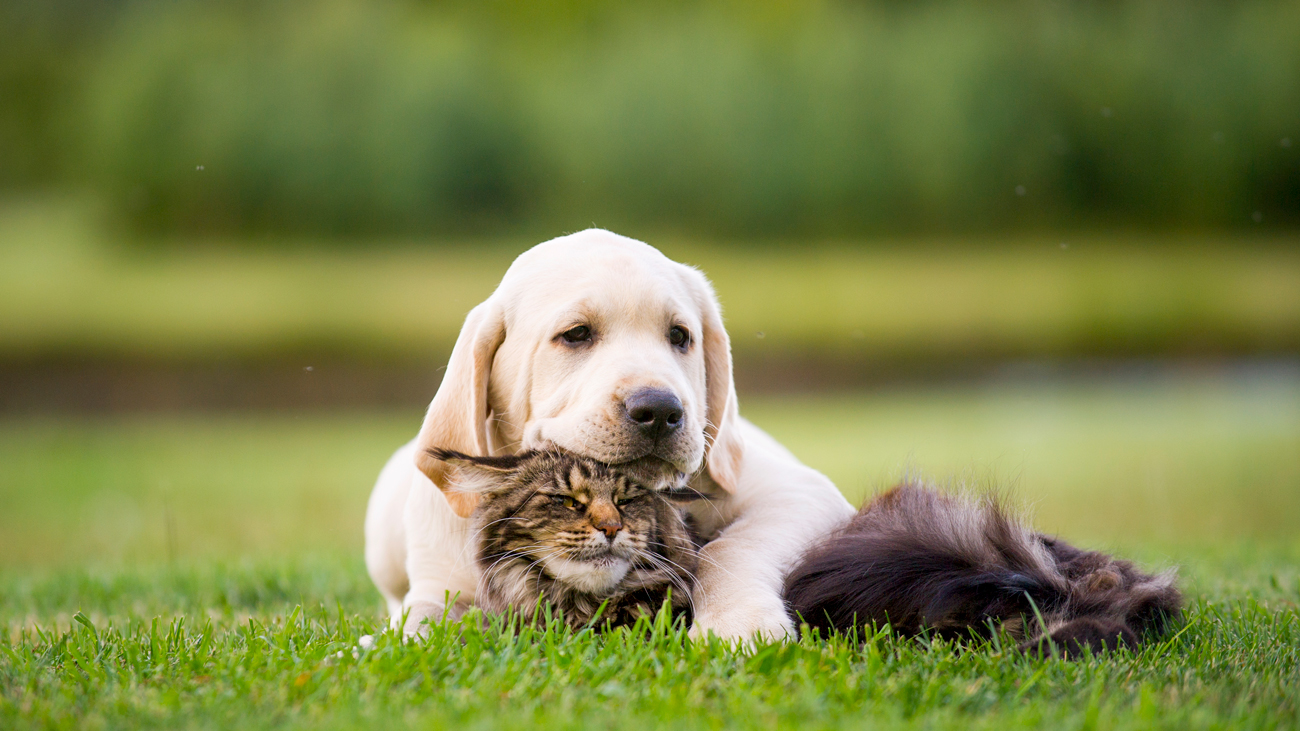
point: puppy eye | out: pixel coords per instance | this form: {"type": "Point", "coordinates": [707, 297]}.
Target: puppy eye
{"type": "Point", "coordinates": [679, 337]}
{"type": "Point", "coordinates": [579, 334]}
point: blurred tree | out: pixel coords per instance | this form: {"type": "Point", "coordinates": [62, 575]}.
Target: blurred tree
{"type": "Point", "coordinates": [723, 118]}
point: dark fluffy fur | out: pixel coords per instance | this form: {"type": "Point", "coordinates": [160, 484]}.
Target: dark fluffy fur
{"type": "Point", "coordinates": [924, 561]}
{"type": "Point", "coordinates": [538, 527]}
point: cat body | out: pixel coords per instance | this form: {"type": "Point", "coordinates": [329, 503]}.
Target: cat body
{"type": "Point", "coordinates": [577, 534]}
{"type": "Point", "coordinates": [581, 535]}
{"type": "Point", "coordinates": [925, 561]}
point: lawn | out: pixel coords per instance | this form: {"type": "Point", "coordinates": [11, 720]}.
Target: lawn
{"type": "Point", "coordinates": [204, 571]}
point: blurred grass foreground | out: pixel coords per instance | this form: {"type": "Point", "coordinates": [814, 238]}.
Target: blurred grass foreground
{"type": "Point", "coordinates": [720, 119]}
{"type": "Point", "coordinates": [1151, 463]}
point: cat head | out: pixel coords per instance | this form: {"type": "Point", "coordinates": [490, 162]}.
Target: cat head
{"type": "Point", "coordinates": [583, 521]}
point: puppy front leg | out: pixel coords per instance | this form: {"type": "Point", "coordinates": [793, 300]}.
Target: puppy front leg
{"type": "Point", "coordinates": [738, 587]}
{"type": "Point", "coordinates": [439, 560]}
{"type": "Point", "coordinates": [780, 510]}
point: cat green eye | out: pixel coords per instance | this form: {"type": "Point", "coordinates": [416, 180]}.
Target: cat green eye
{"type": "Point", "coordinates": [566, 501]}
{"type": "Point", "coordinates": [626, 501]}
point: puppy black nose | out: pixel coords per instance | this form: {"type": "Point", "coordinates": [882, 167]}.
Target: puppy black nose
{"type": "Point", "coordinates": [657, 412]}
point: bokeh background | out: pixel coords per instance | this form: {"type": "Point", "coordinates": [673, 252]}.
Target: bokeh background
{"type": "Point", "coordinates": [1043, 247]}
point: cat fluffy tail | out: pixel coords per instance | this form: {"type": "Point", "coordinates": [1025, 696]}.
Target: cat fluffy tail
{"type": "Point", "coordinates": [925, 561]}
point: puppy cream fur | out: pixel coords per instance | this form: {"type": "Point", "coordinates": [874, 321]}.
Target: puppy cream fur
{"type": "Point", "coordinates": [512, 384]}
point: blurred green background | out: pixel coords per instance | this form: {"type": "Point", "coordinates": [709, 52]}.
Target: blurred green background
{"type": "Point", "coordinates": [719, 119]}
{"type": "Point", "coordinates": [1050, 246]}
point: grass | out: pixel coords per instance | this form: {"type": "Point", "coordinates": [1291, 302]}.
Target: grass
{"type": "Point", "coordinates": [204, 572]}
{"type": "Point", "coordinates": [1170, 458]}
{"type": "Point", "coordinates": [69, 289]}
{"type": "Point", "coordinates": [259, 660]}
{"type": "Point", "coordinates": [1148, 461]}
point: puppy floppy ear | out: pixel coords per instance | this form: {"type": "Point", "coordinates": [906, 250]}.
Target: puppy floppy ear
{"type": "Point", "coordinates": [457, 418]}
{"type": "Point", "coordinates": [472, 476]}
{"type": "Point", "coordinates": [725, 445]}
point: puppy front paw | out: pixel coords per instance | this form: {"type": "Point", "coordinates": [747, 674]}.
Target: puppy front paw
{"type": "Point", "coordinates": [420, 614]}
{"type": "Point", "coordinates": [754, 623]}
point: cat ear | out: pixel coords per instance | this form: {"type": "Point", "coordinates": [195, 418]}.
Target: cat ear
{"type": "Point", "coordinates": [682, 496]}
{"type": "Point", "coordinates": [476, 475]}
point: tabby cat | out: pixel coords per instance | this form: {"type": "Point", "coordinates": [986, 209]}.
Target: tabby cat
{"type": "Point", "coordinates": [924, 561]}
{"type": "Point", "coordinates": [577, 534]}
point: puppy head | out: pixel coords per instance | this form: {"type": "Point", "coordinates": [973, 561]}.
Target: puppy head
{"type": "Point", "coordinates": [598, 345]}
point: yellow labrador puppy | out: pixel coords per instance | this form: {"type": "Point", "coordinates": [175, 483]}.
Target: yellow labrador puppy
{"type": "Point", "coordinates": [602, 346]}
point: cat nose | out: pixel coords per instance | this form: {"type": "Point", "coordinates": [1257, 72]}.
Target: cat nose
{"type": "Point", "coordinates": [610, 527]}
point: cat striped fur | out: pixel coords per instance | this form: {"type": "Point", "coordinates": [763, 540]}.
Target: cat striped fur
{"type": "Point", "coordinates": [584, 537]}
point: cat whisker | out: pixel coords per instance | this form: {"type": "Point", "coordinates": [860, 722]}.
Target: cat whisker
{"type": "Point", "coordinates": [560, 558]}
{"type": "Point", "coordinates": [526, 552]}
{"type": "Point", "coordinates": [472, 543]}
{"type": "Point", "coordinates": [716, 511]}
{"type": "Point", "coordinates": [700, 556]}
{"type": "Point", "coordinates": [684, 585]}
{"type": "Point", "coordinates": [515, 553]}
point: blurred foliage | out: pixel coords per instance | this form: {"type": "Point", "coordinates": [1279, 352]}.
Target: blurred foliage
{"type": "Point", "coordinates": [721, 119]}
